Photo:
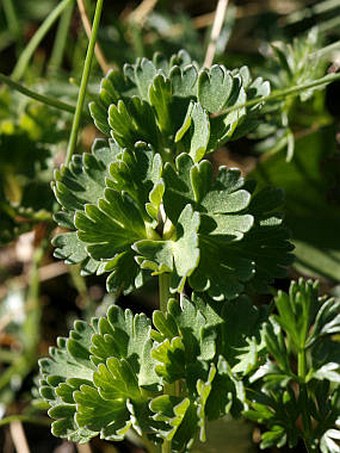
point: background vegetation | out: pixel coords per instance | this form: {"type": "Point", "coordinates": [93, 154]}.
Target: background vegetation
{"type": "Point", "coordinates": [296, 147]}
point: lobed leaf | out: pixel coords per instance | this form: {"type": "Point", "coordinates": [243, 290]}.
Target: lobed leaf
{"type": "Point", "coordinates": [241, 237]}
{"type": "Point", "coordinates": [167, 104]}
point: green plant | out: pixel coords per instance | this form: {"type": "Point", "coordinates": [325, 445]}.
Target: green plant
{"type": "Point", "coordinates": [296, 391]}
{"type": "Point", "coordinates": [146, 202]}
{"type": "Point", "coordinates": [149, 204]}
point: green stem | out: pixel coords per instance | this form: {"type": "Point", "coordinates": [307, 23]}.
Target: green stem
{"type": "Point", "coordinates": [309, 11]}
{"type": "Point", "coordinates": [308, 446]}
{"type": "Point", "coordinates": [38, 36]}
{"type": "Point", "coordinates": [137, 39]}
{"type": "Point", "coordinates": [52, 102]}
{"type": "Point", "coordinates": [79, 283]}
{"type": "Point", "coordinates": [306, 422]}
{"type": "Point", "coordinates": [164, 284]}
{"type": "Point", "coordinates": [43, 421]}
{"type": "Point", "coordinates": [84, 82]}
{"type": "Point", "coordinates": [166, 446]}
{"type": "Point", "coordinates": [330, 24]}
{"type": "Point", "coordinates": [8, 356]}
{"type": "Point", "coordinates": [60, 40]}
{"type": "Point", "coordinates": [11, 18]}
{"type": "Point", "coordinates": [31, 326]}
{"type": "Point", "coordinates": [281, 94]}
{"type": "Point", "coordinates": [164, 291]}
{"type": "Point", "coordinates": [151, 448]}
{"type": "Point", "coordinates": [325, 50]}
{"type": "Point", "coordinates": [6, 39]}
{"type": "Point", "coordinates": [301, 364]}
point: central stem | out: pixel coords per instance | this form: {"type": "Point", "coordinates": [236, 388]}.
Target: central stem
{"type": "Point", "coordinates": [164, 285]}
{"type": "Point", "coordinates": [304, 398]}
{"type": "Point", "coordinates": [301, 364]}
{"type": "Point", "coordinates": [164, 291]}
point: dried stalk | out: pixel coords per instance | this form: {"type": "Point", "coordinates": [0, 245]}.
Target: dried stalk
{"type": "Point", "coordinates": [100, 57]}
{"type": "Point", "coordinates": [19, 437]}
{"type": "Point", "coordinates": [139, 15]}
{"type": "Point", "coordinates": [221, 10]}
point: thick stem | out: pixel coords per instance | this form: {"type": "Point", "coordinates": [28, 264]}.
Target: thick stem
{"type": "Point", "coordinates": [84, 82]}
{"type": "Point", "coordinates": [166, 446]}
{"type": "Point", "coordinates": [301, 364]}
{"type": "Point", "coordinates": [164, 291]}
{"type": "Point", "coordinates": [137, 39]}
{"type": "Point", "coordinates": [306, 421]}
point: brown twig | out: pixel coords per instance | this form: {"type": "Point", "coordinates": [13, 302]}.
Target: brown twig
{"type": "Point", "coordinates": [207, 19]}
{"type": "Point", "coordinates": [88, 30]}
{"type": "Point", "coordinates": [19, 437]}
{"type": "Point", "coordinates": [139, 15]}
{"type": "Point", "coordinates": [83, 448]}
{"type": "Point", "coordinates": [220, 13]}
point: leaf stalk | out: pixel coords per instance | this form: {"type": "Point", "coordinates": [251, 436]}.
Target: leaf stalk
{"type": "Point", "coordinates": [281, 94]}
{"type": "Point", "coordinates": [48, 100]}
